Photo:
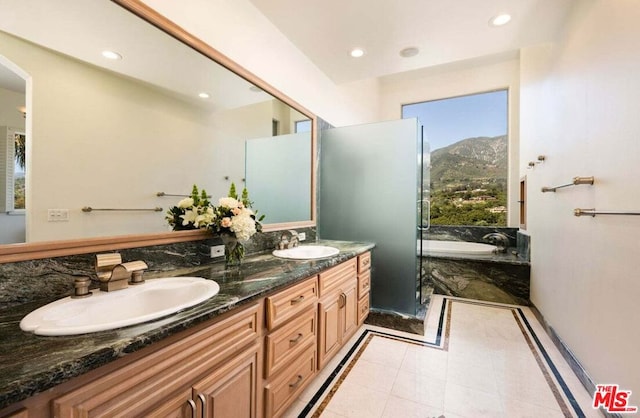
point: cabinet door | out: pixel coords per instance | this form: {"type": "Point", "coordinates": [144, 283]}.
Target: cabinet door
{"type": "Point", "coordinates": [164, 376]}
{"type": "Point", "coordinates": [350, 308]}
{"type": "Point", "coordinates": [180, 405]}
{"type": "Point", "coordinates": [330, 328]}
{"type": "Point", "coordinates": [230, 390]}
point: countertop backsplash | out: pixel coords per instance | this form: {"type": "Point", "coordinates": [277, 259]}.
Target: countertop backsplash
{"type": "Point", "coordinates": [52, 278]}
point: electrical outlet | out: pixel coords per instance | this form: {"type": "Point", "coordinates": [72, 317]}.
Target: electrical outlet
{"type": "Point", "coordinates": [217, 251]}
{"type": "Point", "coordinates": [58, 215]}
{"type": "Point", "coordinates": [302, 236]}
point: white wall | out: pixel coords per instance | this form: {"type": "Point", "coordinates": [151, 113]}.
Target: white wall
{"type": "Point", "coordinates": [238, 30]}
{"type": "Point", "coordinates": [457, 80]}
{"type": "Point", "coordinates": [579, 107]}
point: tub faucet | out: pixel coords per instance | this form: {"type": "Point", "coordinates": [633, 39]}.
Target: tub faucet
{"type": "Point", "coordinates": [500, 240]}
{"type": "Point", "coordinates": [288, 239]}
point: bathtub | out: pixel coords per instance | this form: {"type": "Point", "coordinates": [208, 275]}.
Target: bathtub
{"type": "Point", "coordinates": [431, 247]}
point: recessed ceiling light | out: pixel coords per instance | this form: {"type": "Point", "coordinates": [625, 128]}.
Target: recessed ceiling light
{"type": "Point", "coordinates": [203, 95]}
{"type": "Point", "coordinates": [111, 55]}
{"type": "Point", "coordinates": [499, 20]}
{"type": "Point", "coordinates": [411, 51]}
{"type": "Point", "coordinates": [356, 52]}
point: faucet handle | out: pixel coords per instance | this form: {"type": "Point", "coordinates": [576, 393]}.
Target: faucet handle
{"type": "Point", "coordinates": [105, 263]}
{"type": "Point", "coordinates": [136, 268]}
{"type": "Point", "coordinates": [81, 287]}
{"type": "Point", "coordinates": [294, 241]}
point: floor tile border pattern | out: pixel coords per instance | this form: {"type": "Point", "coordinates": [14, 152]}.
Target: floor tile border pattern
{"type": "Point", "coordinates": [441, 342]}
{"type": "Point", "coordinates": [349, 360]}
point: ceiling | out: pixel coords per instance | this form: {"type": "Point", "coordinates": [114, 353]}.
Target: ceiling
{"type": "Point", "coordinates": [82, 29]}
{"type": "Point", "coordinates": [445, 31]}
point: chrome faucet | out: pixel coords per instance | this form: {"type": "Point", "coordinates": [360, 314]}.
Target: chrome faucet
{"type": "Point", "coordinates": [500, 240]}
{"type": "Point", "coordinates": [288, 239]}
{"type": "Point", "coordinates": [113, 274]}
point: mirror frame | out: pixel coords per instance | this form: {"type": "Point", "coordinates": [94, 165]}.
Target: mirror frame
{"type": "Point", "coordinates": [29, 251]}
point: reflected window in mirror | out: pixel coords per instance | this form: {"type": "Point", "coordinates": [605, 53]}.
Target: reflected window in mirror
{"type": "Point", "coordinates": [19, 171]}
{"type": "Point", "coordinates": [302, 126]}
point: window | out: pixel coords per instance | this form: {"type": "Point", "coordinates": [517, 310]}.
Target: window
{"type": "Point", "coordinates": [302, 126]}
{"type": "Point", "coordinates": [12, 170]}
{"type": "Point", "coordinates": [467, 136]}
{"type": "Point", "coordinates": [19, 170]}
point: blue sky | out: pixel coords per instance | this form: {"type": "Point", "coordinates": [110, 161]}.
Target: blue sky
{"type": "Point", "coordinates": [449, 120]}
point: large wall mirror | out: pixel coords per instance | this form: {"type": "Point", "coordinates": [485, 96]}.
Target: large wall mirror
{"type": "Point", "coordinates": [114, 133]}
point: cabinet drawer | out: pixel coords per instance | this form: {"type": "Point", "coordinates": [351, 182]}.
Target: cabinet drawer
{"type": "Point", "coordinates": [364, 262]}
{"type": "Point", "coordinates": [290, 302]}
{"type": "Point", "coordinates": [364, 283]}
{"type": "Point", "coordinates": [284, 344]}
{"type": "Point", "coordinates": [332, 278]}
{"type": "Point", "coordinates": [283, 390]}
{"type": "Point", "coordinates": [363, 308]}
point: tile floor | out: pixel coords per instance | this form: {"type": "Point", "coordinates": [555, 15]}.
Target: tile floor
{"type": "Point", "coordinates": [475, 360]}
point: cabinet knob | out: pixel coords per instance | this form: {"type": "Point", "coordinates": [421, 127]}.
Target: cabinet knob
{"type": "Point", "coordinates": [203, 401]}
{"type": "Point", "coordinates": [192, 405]}
{"type": "Point", "coordinates": [297, 339]}
{"type": "Point", "coordinates": [297, 382]}
{"type": "Point", "coordinates": [342, 301]}
{"type": "Point", "coordinates": [297, 300]}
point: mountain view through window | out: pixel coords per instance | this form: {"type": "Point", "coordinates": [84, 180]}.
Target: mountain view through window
{"type": "Point", "coordinates": [467, 136]}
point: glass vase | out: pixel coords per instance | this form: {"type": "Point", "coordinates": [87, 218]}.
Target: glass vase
{"type": "Point", "coordinates": [233, 250]}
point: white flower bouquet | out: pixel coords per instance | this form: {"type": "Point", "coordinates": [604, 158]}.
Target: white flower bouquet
{"type": "Point", "coordinates": [194, 212]}
{"type": "Point", "coordinates": [233, 219]}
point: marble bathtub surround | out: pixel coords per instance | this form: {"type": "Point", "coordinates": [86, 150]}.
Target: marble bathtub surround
{"type": "Point", "coordinates": [524, 246]}
{"type": "Point", "coordinates": [501, 277]}
{"type": "Point", "coordinates": [32, 364]}
{"type": "Point", "coordinates": [486, 280]}
{"type": "Point", "coordinates": [468, 233]}
{"type": "Point", "coordinates": [52, 278]}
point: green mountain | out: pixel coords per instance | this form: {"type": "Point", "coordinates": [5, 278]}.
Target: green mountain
{"type": "Point", "coordinates": [472, 160]}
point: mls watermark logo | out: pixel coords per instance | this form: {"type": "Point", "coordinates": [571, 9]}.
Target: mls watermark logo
{"type": "Point", "coordinates": [612, 399]}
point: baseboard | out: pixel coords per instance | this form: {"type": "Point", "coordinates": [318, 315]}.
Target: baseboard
{"type": "Point", "coordinates": [568, 355]}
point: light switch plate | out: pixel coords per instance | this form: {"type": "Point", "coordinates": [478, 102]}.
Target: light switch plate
{"type": "Point", "coordinates": [217, 251]}
{"type": "Point", "coordinates": [302, 236]}
{"type": "Point", "coordinates": [58, 215]}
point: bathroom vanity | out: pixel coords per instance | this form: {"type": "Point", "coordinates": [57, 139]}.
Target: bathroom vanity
{"type": "Point", "coordinates": [247, 352]}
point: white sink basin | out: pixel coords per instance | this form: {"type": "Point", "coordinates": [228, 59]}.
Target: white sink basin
{"type": "Point", "coordinates": [109, 310]}
{"type": "Point", "coordinates": [307, 252]}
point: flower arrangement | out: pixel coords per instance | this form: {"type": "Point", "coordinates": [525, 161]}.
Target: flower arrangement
{"type": "Point", "coordinates": [232, 219]}
{"type": "Point", "coordinates": [194, 212]}
{"type": "Point", "coordinates": [235, 222]}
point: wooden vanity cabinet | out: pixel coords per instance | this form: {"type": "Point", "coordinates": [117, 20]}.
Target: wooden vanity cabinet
{"type": "Point", "coordinates": [246, 364]}
{"type": "Point", "coordinates": [338, 318]}
{"type": "Point", "coordinates": [210, 371]}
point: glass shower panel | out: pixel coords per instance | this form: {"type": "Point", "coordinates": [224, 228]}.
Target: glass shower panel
{"type": "Point", "coordinates": [368, 192]}
{"type": "Point", "coordinates": [424, 210]}
{"type": "Point", "coordinates": [277, 175]}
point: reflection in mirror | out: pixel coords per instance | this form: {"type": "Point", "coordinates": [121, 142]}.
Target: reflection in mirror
{"type": "Point", "coordinates": [113, 133]}
{"type": "Point", "coordinates": [272, 165]}
{"type": "Point", "coordinates": [12, 155]}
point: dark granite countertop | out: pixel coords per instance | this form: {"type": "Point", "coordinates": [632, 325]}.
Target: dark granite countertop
{"type": "Point", "coordinates": [30, 364]}
{"type": "Point", "coordinates": [504, 258]}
